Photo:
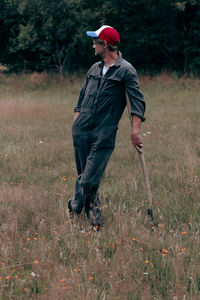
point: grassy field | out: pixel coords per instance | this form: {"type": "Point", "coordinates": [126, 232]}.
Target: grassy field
{"type": "Point", "coordinates": [45, 254]}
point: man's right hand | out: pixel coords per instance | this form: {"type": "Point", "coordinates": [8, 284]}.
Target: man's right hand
{"type": "Point", "coordinates": [76, 115]}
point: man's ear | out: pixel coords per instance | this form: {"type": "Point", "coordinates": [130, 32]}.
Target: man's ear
{"type": "Point", "coordinates": [105, 44]}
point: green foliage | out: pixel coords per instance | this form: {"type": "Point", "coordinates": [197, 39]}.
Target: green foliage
{"type": "Point", "coordinates": [9, 29]}
{"type": "Point", "coordinates": [50, 35]}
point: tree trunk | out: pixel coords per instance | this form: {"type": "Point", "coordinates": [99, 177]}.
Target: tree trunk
{"type": "Point", "coordinates": [169, 58]}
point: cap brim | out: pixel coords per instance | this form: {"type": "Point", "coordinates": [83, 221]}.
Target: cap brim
{"type": "Point", "coordinates": [92, 34]}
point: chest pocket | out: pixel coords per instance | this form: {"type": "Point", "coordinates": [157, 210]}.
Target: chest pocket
{"type": "Point", "coordinates": [112, 83]}
{"type": "Point", "coordinates": [93, 84]}
{"type": "Point", "coordinates": [114, 78]}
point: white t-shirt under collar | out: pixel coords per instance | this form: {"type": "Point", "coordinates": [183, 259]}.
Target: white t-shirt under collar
{"type": "Point", "coordinates": [105, 69]}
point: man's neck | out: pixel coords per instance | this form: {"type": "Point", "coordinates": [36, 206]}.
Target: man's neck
{"type": "Point", "coordinates": [110, 58]}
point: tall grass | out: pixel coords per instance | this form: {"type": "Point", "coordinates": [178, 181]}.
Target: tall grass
{"type": "Point", "coordinates": [44, 253]}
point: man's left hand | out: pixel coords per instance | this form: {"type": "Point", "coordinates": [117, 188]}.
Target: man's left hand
{"type": "Point", "coordinates": [135, 134]}
{"type": "Point", "coordinates": [136, 141]}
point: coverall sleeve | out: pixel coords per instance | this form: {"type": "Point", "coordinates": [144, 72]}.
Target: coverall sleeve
{"type": "Point", "coordinates": [81, 96]}
{"type": "Point", "coordinates": [136, 98]}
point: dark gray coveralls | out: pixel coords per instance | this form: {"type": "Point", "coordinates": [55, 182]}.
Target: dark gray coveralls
{"type": "Point", "coordinates": [101, 103]}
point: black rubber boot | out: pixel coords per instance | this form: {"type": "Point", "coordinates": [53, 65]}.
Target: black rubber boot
{"type": "Point", "coordinates": [93, 212]}
{"type": "Point", "coordinates": [70, 206]}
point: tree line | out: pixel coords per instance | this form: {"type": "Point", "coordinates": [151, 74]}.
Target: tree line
{"type": "Point", "coordinates": [43, 35]}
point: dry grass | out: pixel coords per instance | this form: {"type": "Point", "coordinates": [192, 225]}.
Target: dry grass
{"type": "Point", "coordinates": [44, 254]}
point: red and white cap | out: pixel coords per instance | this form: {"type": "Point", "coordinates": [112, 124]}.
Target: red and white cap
{"type": "Point", "coordinates": [106, 33]}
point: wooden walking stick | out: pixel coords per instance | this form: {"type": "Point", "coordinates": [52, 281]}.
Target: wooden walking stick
{"type": "Point", "coordinates": [145, 172]}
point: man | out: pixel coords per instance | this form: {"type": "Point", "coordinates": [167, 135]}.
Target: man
{"type": "Point", "coordinates": [100, 106]}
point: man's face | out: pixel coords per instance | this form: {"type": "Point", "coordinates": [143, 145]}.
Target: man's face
{"type": "Point", "coordinates": [98, 45]}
